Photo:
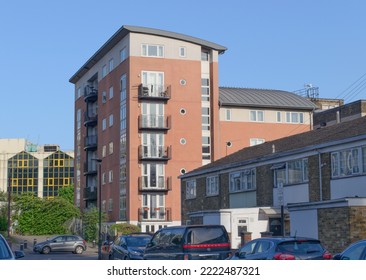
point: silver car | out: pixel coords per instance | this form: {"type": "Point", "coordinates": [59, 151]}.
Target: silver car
{"type": "Point", "coordinates": [62, 243]}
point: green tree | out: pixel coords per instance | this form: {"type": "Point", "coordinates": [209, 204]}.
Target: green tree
{"type": "Point", "coordinates": [67, 193]}
{"type": "Point", "coordinates": [90, 223]}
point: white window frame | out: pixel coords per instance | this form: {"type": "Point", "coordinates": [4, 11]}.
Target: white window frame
{"type": "Point", "coordinates": [286, 178]}
{"type": "Point", "coordinates": [104, 70]}
{"type": "Point", "coordinates": [212, 185]}
{"type": "Point", "coordinates": [256, 115]}
{"type": "Point", "coordinates": [348, 162]}
{"type": "Point", "coordinates": [256, 141]}
{"type": "Point", "coordinates": [147, 50]}
{"type": "Point", "coordinates": [242, 180]}
{"type": "Point", "coordinates": [182, 52]}
{"type": "Point", "coordinates": [104, 124]}
{"type": "Point", "coordinates": [111, 64]}
{"type": "Point", "coordinates": [228, 115]}
{"type": "Point", "coordinates": [111, 93]}
{"type": "Point", "coordinates": [123, 54]}
{"type": "Point", "coordinates": [295, 117]}
{"type": "Point", "coordinates": [110, 148]}
{"type": "Point", "coordinates": [111, 120]}
{"type": "Point", "coordinates": [110, 176]}
{"type": "Point", "coordinates": [191, 189]}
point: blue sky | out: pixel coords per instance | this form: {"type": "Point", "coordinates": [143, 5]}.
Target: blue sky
{"type": "Point", "coordinates": [280, 44]}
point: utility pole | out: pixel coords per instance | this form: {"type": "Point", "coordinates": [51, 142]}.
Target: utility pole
{"type": "Point", "coordinates": [9, 204]}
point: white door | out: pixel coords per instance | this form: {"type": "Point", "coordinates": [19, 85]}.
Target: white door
{"type": "Point", "coordinates": [154, 81]}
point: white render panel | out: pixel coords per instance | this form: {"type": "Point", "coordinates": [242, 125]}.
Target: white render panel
{"type": "Point", "coordinates": [304, 223]}
{"type": "Point", "coordinates": [348, 187]}
{"type": "Point", "coordinates": [97, 68]}
{"type": "Point", "coordinates": [292, 194]}
{"type": "Point", "coordinates": [171, 46]}
{"type": "Point", "coordinates": [270, 116]}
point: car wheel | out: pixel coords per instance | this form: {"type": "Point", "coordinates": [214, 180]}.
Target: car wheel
{"type": "Point", "coordinates": [46, 250]}
{"type": "Point", "coordinates": [79, 250]}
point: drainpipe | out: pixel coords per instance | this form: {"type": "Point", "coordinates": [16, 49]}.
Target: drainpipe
{"type": "Point", "coordinates": [320, 176]}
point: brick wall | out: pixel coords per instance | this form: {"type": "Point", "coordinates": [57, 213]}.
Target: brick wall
{"type": "Point", "coordinates": [264, 185]}
{"type": "Point", "coordinates": [314, 178]}
{"type": "Point", "coordinates": [339, 227]}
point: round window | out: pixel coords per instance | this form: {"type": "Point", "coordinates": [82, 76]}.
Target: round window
{"type": "Point", "coordinates": [183, 82]}
{"type": "Point", "coordinates": [183, 141]}
{"type": "Point", "coordinates": [182, 171]}
{"type": "Point", "coordinates": [183, 111]}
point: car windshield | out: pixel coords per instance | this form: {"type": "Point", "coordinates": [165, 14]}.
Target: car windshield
{"type": "Point", "coordinates": [4, 251]}
{"type": "Point", "coordinates": [209, 235]}
{"type": "Point", "coordinates": [301, 246]}
{"type": "Point", "coordinates": [138, 241]}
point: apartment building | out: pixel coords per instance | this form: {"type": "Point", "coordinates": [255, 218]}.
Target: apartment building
{"type": "Point", "coordinates": [42, 170]}
{"type": "Point", "coordinates": [147, 110]}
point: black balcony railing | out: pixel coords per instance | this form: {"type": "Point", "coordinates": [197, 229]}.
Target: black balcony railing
{"type": "Point", "coordinates": [151, 184]}
{"type": "Point", "coordinates": [154, 152]}
{"type": "Point", "coordinates": [90, 94]}
{"type": "Point", "coordinates": [90, 193]}
{"type": "Point", "coordinates": [90, 119]}
{"type": "Point", "coordinates": [90, 168]}
{"type": "Point", "coordinates": [155, 214]}
{"type": "Point", "coordinates": [154, 122]}
{"type": "Point", "coordinates": [90, 142]}
{"type": "Point", "coordinates": [154, 92]}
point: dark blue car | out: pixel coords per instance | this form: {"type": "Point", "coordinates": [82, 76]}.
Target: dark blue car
{"type": "Point", "coordinates": [129, 247]}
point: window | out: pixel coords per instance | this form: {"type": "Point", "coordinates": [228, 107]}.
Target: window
{"type": "Point", "coordinates": [104, 71]}
{"type": "Point", "coordinates": [294, 117]}
{"type": "Point", "coordinates": [182, 51]}
{"type": "Point", "coordinates": [205, 55]}
{"type": "Point", "coordinates": [104, 97]}
{"type": "Point", "coordinates": [206, 147]}
{"type": "Point", "coordinates": [110, 204]}
{"type": "Point", "coordinates": [111, 64]}
{"type": "Point", "coordinates": [104, 151]}
{"type": "Point", "coordinates": [348, 162]}
{"type": "Point", "coordinates": [212, 185]}
{"type": "Point", "coordinates": [279, 117]}
{"type": "Point", "coordinates": [78, 93]}
{"type": "Point", "coordinates": [110, 92]}
{"type": "Point", "coordinates": [123, 54]}
{"type": "Point", "coordinates": [205, 118]}
{"type": "Point", "coordinates": [104, 124]}
{"type": "Point", "coordinates": [110, 176]}
{"type": "Point", "coordinates": [152, 50]}
{"type": "Point", "coordinates": [256, 141]}
{"type": "Point", "coordinates": [191, 189]}
{"type": "Point", "coordinates": [111, 148]}
{"type": "Point", "coordinates": [257, 116]}
{"type": "Point", "coordinates": [205, 89]}
{"type": "Point", "coordinates": [104, 179]}
{"type": "Point", "coordinates": [228, 115]}
{"type": "Point", "coordinates": [243, 180]}
{"type": "Point", "coordinates": [110, 120]}
{"type": "Point", "coordinates": [364, 159]}
{"type": "Point", "coordinates": [291, 172]}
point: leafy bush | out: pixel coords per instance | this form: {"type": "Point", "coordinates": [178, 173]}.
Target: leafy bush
{"type": "Point", "coordinates": [125, 228]}
{"type": "Point", "coordinates": [3, 223]}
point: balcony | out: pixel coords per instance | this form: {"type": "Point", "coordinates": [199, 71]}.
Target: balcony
{"type": "Point", "coordinates": [150, 184]}
{"type": "Point", "coordinates": [90, 94]}
{"type": "Point", "coordinates": [154, 92]}
{"type": "Point", "coordinates": [90, 119]}
{"type": "Point", "coordinates": [90, 168]}
{"type": "Point", "coordinates": [161, 214]}
{"type": "Point", "coordinates": [91, 142]}
{"type": "Point", "coordinates": [157, 153]}
{"type": "Point", "coordinates": [154, 122]}
{"type": "Point", "coordinates": [90, 193]}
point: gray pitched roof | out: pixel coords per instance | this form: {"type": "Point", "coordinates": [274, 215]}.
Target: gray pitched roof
{"type": "Point", "coordinates": [314, 139]}
{"type": "Point", "coordinates": [264, 98]}
{"type": "Point", "coordinates": [124, 30]}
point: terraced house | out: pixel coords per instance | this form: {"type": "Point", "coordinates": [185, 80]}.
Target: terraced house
{"type": "Point", "coordinates": [319, 177]}
{"type": "Point", "coordinates": [148, 108]}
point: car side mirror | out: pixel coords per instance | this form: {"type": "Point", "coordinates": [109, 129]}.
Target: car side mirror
{"type": "Point", "coordinates": [19, 254]}
{"type": "Point", "coordinates": [240, 255]}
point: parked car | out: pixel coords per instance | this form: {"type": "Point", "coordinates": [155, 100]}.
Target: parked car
{"type": "Point", "coordinates": [129, 247]}
{"type": "Point", "coordinates": [6, 253]}
{"type": "Point", "coordinates": [282, 248]}
{"type": "Point", "coordinates": [355, 251]}
{"type": "Point", "coordinates": [62, 243]}
{"type": "Point", "coordinates": [198, 242]}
